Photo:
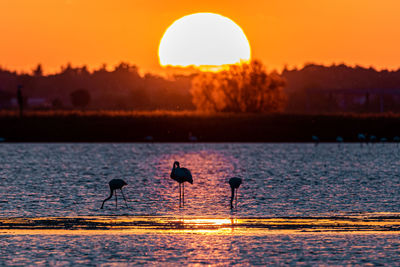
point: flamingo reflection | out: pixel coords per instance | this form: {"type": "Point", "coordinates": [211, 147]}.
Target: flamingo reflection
{"type": "Point", "coordinates": [114, 185]}
{"type": "Point", "coordinates": [181, 175]}
{"type": "Point", "coordinates": [234, 182]}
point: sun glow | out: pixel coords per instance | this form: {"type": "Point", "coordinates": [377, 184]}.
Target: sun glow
{"type": "Point", "coordinates": [206, 41]}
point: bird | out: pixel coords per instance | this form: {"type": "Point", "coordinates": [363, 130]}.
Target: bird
{"type": "Point", "coordinates": [114, 185]}
{"type": "Point", "coordinates": [234, 182]}
{"type": "Point", "coordinates": [315, 139]}
{"type": "Point", "coordinates": [181, 175]}
{"type": "Point", "coordinates": [396, 139]}
{"type": "Point", "coordinates": [340, 140]}
{"type": "Point", "coordinates": [361, 137]}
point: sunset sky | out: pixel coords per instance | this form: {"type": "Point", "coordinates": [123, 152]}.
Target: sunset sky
{"type": "Point", "coordinates": [92, 32]}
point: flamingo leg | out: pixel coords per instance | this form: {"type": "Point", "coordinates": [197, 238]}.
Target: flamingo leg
{"type": "Point", "coordinates": [183, 193]}
{"type": "Point", "coordinates": [237, 189]}
{"type": "Point", "coordinates": [232, 196]}
{"type": "Point", "coordinates": [124, 197]}
{"type": "Point", "coordinates": [180, 195]}
{"type": "Point", "coordinates": [116, 201]}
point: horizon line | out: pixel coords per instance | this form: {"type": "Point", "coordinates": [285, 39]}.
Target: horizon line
{"type": "Point", "coordinates": [168, 70]}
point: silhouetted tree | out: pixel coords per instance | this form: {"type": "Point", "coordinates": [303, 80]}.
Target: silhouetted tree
{"type": "Point", "coordinates": [38, 72]}
{"type": "Point", "coordinates": [241, 88]}
{"type": "Point", "coordinates": [80, 98]}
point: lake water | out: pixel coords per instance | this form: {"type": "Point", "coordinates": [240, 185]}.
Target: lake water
{"type": "Point", "coordinates": [299, 203]}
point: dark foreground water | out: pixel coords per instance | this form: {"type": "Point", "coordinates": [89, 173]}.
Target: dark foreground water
{"type": "Point", "coordinates": [298, 204]}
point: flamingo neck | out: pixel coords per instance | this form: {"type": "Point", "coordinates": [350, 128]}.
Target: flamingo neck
{"type": "Point", "coordinates": [176, 166]}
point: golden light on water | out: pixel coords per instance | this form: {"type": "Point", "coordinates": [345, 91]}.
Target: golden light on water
{"type": "Point", "coordinates": [207, 221]}
{"type": "Point", "coordinates": [206, 41]}
{"type": "Point", "coordinates": [121, 225]}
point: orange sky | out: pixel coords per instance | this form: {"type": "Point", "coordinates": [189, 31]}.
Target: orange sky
{"type": "Point", "coordinates": [293, 32]}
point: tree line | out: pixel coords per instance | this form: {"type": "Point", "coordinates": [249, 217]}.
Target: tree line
{"type": "Point", "coordinates": [117, 89]}
{"type": "Point", "coordinates": [337, 88]}
{"type": "Point", "coordinates": [245, 88]}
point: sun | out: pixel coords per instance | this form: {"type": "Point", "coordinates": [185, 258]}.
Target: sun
{"type": "Point", "coordinates": [206, 41]}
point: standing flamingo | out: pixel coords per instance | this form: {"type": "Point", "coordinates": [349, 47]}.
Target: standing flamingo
{"type": "Point", "coordinates": [361, 137]}
{"type": "Point", "coordinates": [234, 182]}
{"type": "Point", "coordinates": [395, 139]}
{"type": "Point", "coordinates": [181, 175]}
{"type": "Point", "coordinates": [315, 140]}
{"type": "Point", "coordinates": [339, 139]}
{"type": "Point", "coordinates": [114, 185]}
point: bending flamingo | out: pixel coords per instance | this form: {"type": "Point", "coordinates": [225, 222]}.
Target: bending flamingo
{"type": "Point", "coordinates": [114, 185]}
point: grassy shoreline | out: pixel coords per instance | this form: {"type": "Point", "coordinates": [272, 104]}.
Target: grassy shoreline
{"type": "Point", "coordinates": [169, 126]}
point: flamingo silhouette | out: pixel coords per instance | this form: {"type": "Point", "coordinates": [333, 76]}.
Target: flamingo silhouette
{"type": "Point", "coordinates": [395, 139]}
{"type": "Point", "coordinates": [315, 140]}
{"type": "Point", "coordinates": [114, 185]}
{"type": "Point", "coordinates": [234, 182]}
{"type": "Point", "coordinates": [361, 137]}
{"type": "Point", "coordinates": [181, 175]}
{"type": "Point", "coordinates": [340, 140]}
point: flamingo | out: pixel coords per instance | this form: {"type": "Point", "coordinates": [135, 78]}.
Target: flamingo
{"type": "Point", "coordinates": [234, 182]}
{"type": "Point", "coordinates": [340, 140]}
{"type": "Point", "coordinates": [361, 137]}
{"type": "Point", "coordinates": [181, 175]}
{"type": "Point", "coordinates": [395, 139]}
{"type": "Point", "coordinates": [114, 185]}
{"type": "Point", "coordinates": [315, 139]}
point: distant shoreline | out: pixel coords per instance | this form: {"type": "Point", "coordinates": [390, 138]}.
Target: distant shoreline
{"type": "Point", "coordinates": [187, 126]}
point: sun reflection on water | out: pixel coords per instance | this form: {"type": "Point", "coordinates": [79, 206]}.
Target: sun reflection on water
{"type": "Point", "coordinates": [207, 221]}
{"type": "Point", "coordinates": [204, 225]}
